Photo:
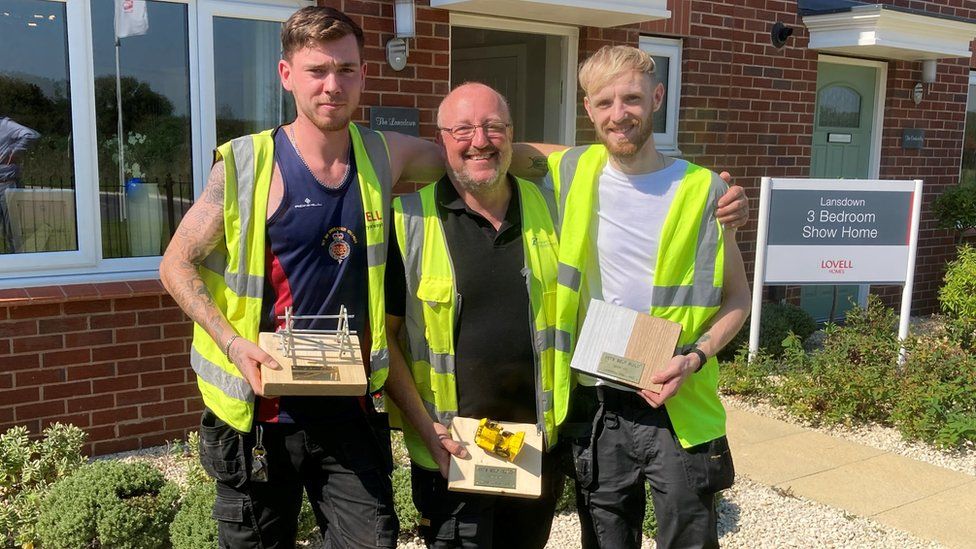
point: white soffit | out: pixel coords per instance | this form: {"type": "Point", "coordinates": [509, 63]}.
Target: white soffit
{"type": "Point", "coordinates": [593, 13]}
{"type": "Point", "coordinates": [872, 31]}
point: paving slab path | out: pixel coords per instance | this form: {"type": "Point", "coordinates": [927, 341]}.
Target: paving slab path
{"type": "Point", "coordinates": [925, 500]}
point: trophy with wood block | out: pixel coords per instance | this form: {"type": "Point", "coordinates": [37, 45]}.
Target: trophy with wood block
{"type": "Point", "coordinates": [313, 362]}
{"type": "Point", "coordinates": [623, 346]}
{"type": "Point", "coordinates": [503, 458]}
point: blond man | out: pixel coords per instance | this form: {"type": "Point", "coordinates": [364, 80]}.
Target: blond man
{"type": "Point", "coordinates": [638, 229]}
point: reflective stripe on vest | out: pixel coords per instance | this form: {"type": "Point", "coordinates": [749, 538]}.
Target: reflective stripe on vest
{"type": "Point", "coordinates": [687, 277]}
{"type": "Point", "coordinates": [234, 271]}
{"type": "Point", "coordinates": [432, 299]}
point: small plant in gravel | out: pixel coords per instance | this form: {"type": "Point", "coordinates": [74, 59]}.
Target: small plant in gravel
{"type": "Point", "coordinates": [403, 500]}
{"type": "Point", "coordinates": [109, 504]}
{"type": "Point", "coordinates": [27, 468]}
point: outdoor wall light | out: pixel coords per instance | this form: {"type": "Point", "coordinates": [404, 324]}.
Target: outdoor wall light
{"type": "Point", "coordinates": [929, 70]}
{"type": "Point", "coordinates": [405, 18]}
{"type": "Point", "coordinates": [405, 25]}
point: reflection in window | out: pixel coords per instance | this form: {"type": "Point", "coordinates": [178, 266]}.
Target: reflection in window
{"type": "Point", "coordinates": [37, 185]}
{"type": "Point", "coordinates": [968, 173]}
{"type": "Point", "coordinates": [141, 207]}
{"type": "Point", "coordinates": [661, 74]}
{"type": "Point", "coordinates": [839, 107]}
{"type": "Point", "coordinates": [248, 92]}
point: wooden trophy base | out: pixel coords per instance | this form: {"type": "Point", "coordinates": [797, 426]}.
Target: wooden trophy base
{"type": "Point", "coordinates": [485, 473]}
{"type": "Point", "coordinates": [623, 346]}
{"type": "Point", "coordinates": [312, 371]}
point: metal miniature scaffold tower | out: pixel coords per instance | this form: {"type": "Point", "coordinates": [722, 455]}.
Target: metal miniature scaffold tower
{"type": "Point", "coordinates": [316, 347]}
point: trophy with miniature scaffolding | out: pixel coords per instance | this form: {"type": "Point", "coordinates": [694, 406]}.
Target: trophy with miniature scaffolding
{"type": "Point", "coordinates": [313, 362]}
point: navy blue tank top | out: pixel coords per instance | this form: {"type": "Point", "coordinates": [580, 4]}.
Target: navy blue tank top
{"type": "Point", "coordinates": [316, 263]}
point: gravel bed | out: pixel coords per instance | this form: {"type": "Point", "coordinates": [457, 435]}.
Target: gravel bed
{"type": "Point", "coordinates": [962, 460]}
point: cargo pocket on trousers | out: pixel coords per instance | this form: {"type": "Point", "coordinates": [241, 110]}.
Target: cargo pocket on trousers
{"type": "Point", "coordinates": [438, 529]}
{"type": "Point", "coordinates": [578, 457]}
{"type": "Point", "coordinates": [708, 466]}
{"type": "Point", "coordinates": [220, 451]}
{"type": "Point", "coordinates": [228, 509]}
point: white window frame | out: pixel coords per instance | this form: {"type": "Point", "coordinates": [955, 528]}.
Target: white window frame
{"type": "Point", "coordinates": [86, 264]}
{"type": "Point", "coordinates": [667, 142]}
{"type": "Point", "coordinates": [969, 97]}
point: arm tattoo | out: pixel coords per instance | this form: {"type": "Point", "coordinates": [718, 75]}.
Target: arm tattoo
{"type": "Point", "coordinates": [539, 164]}
{"type": "Point", "coordinates": [199, 233]}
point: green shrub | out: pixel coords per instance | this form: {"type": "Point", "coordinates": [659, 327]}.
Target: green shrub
{"type": "Point", "coordinates": [958, 294]}
{"type": "Point", "coordinates": [193, 527]}
{"type": "Point", "coordinates": [742, 377]}
{"type": "Point", "coordinates": [109, 504]}
{"type": "Point", "coordinates": [650, 519]}
{"type": "Point", "coordinates": [776, 321]}
{"type": "Point", "coordinates": [27, 468]}
{"type": "Point", "coordinates": [955, 208]}
{"type": "Point", "coordinates": [936, 401]}
{"type": "Point", "coordinates": [403, 500]}
{"type": "Point", "coordinates": [567, 498]}
{"type": "Point", "coordinates": [852, 379]}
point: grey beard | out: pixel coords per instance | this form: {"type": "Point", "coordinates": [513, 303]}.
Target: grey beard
{"type": "Point", "coordinates": [474, 186]}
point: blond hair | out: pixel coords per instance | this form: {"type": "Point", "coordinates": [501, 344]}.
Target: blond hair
{"type": "Point", "coordinates": [314, 25]}
{"type": "Point", "coordinates": [609, 62]}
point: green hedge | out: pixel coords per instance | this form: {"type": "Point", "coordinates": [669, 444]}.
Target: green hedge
{"type": "Point", "coordinates": [776, 321]}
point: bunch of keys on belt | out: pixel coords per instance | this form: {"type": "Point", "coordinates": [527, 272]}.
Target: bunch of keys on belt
{"type": "Point", "coordinates": [259, 460]}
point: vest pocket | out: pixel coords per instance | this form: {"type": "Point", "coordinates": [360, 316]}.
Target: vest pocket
{"type": "Point", "coordinates": [549, 306]}
{"type": "Point", "coordinates": [436, 294]}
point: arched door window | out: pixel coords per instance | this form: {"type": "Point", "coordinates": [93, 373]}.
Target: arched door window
{"type": "Point", "coordinates": [839, 107]}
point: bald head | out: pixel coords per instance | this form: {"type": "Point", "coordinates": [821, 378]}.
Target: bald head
{"type": "Point", "coordinates": [476, 137]}
{"type": "Point", "coordinates": [465, 98]}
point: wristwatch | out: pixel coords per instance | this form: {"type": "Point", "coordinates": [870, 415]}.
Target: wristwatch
{"type": "Point", "coordinates": [693, 349]}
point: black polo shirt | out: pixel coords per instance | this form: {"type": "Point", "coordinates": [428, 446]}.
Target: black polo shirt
{"type": "Point", "coordinates": [494, 361]}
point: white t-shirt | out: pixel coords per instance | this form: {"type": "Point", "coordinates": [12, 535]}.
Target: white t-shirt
{"type": "Point", "coordinates": [631, 210]}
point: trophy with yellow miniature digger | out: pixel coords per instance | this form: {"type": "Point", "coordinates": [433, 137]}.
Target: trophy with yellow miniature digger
{"type": "Point", "coordinates": [313, 362]}
{"type": "Point", "coordinates": [503, 458]}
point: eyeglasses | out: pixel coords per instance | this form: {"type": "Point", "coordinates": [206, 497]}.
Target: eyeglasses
{"type": "Point", "coordinates": [465, 132]}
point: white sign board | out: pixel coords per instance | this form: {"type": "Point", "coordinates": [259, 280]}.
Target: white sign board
{"type": "Point", "coordinates": [823, 231]}
{"type": "Point", "coordinates": [836, 231]}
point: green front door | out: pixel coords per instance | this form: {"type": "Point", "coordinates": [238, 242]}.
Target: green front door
{"type": "Point", "coordinates": [843, 127]}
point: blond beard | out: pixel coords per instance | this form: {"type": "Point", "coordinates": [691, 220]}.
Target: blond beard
{"type": "Point", "coordinates": [628, 149]}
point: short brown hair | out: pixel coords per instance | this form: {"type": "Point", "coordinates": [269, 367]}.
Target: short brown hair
{"type": "Point", "coordinates": [609, 62]}
{"type": "Point", "coordinates": [316, 24]}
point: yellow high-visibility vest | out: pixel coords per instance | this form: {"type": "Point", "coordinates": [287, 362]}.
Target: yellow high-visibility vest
{"type": "Point", "coordinates": [234, 271]}
{"type": "Point", "coordinates": [431, 309]}
{"type": "Point", "coordinates": [688, 276]}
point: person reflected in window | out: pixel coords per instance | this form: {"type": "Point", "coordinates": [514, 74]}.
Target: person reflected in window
{"type": "Point", "coordinates": [14, 141]}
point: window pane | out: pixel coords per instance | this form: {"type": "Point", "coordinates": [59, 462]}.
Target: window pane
{"type": "Point", "coordinates": [249, 95]}
{"type": "Point", "coordinates": [141, 207]}
{"type": "Point", "coordinates": [661, 74]}
{"type": "Point", "coordinates": [840, 107]}
{"type": "Point", "coordinates": [37, 186]}
{"type": "Point", "coordinates": [968, 174]}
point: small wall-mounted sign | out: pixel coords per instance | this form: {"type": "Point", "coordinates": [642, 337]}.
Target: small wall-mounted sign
{"type": "Point", "coordinates": [838, 138]}
{"type": "Point", "coordinates": [912, 138]}
{"type": "Point", "coordinates": [398, 119]}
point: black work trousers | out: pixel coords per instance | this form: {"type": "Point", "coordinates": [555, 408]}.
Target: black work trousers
{"type": "Point", "coordinates": [481, 521]}
{"type": "Point", "coordinates": [342, 466]}
{"type": "Point", "coordinates": [617, 441]}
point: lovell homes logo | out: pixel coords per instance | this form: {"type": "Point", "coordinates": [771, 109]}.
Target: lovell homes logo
{"type": "Point", "coordinates": [836, 266]}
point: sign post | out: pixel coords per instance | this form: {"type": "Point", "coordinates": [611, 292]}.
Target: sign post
{"type": "Point", "coordinates": [836, 231]}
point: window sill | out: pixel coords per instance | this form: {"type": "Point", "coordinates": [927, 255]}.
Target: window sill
{"type": "Point", "coordinates": [61, 293]}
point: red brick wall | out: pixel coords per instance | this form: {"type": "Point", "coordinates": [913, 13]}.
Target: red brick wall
{"type": "Point", "coordinates": [110, 358]}
{"type": "Point", "coordinates": [748, 107]}
{"type": "Point", "coordinates": [426, 78]}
